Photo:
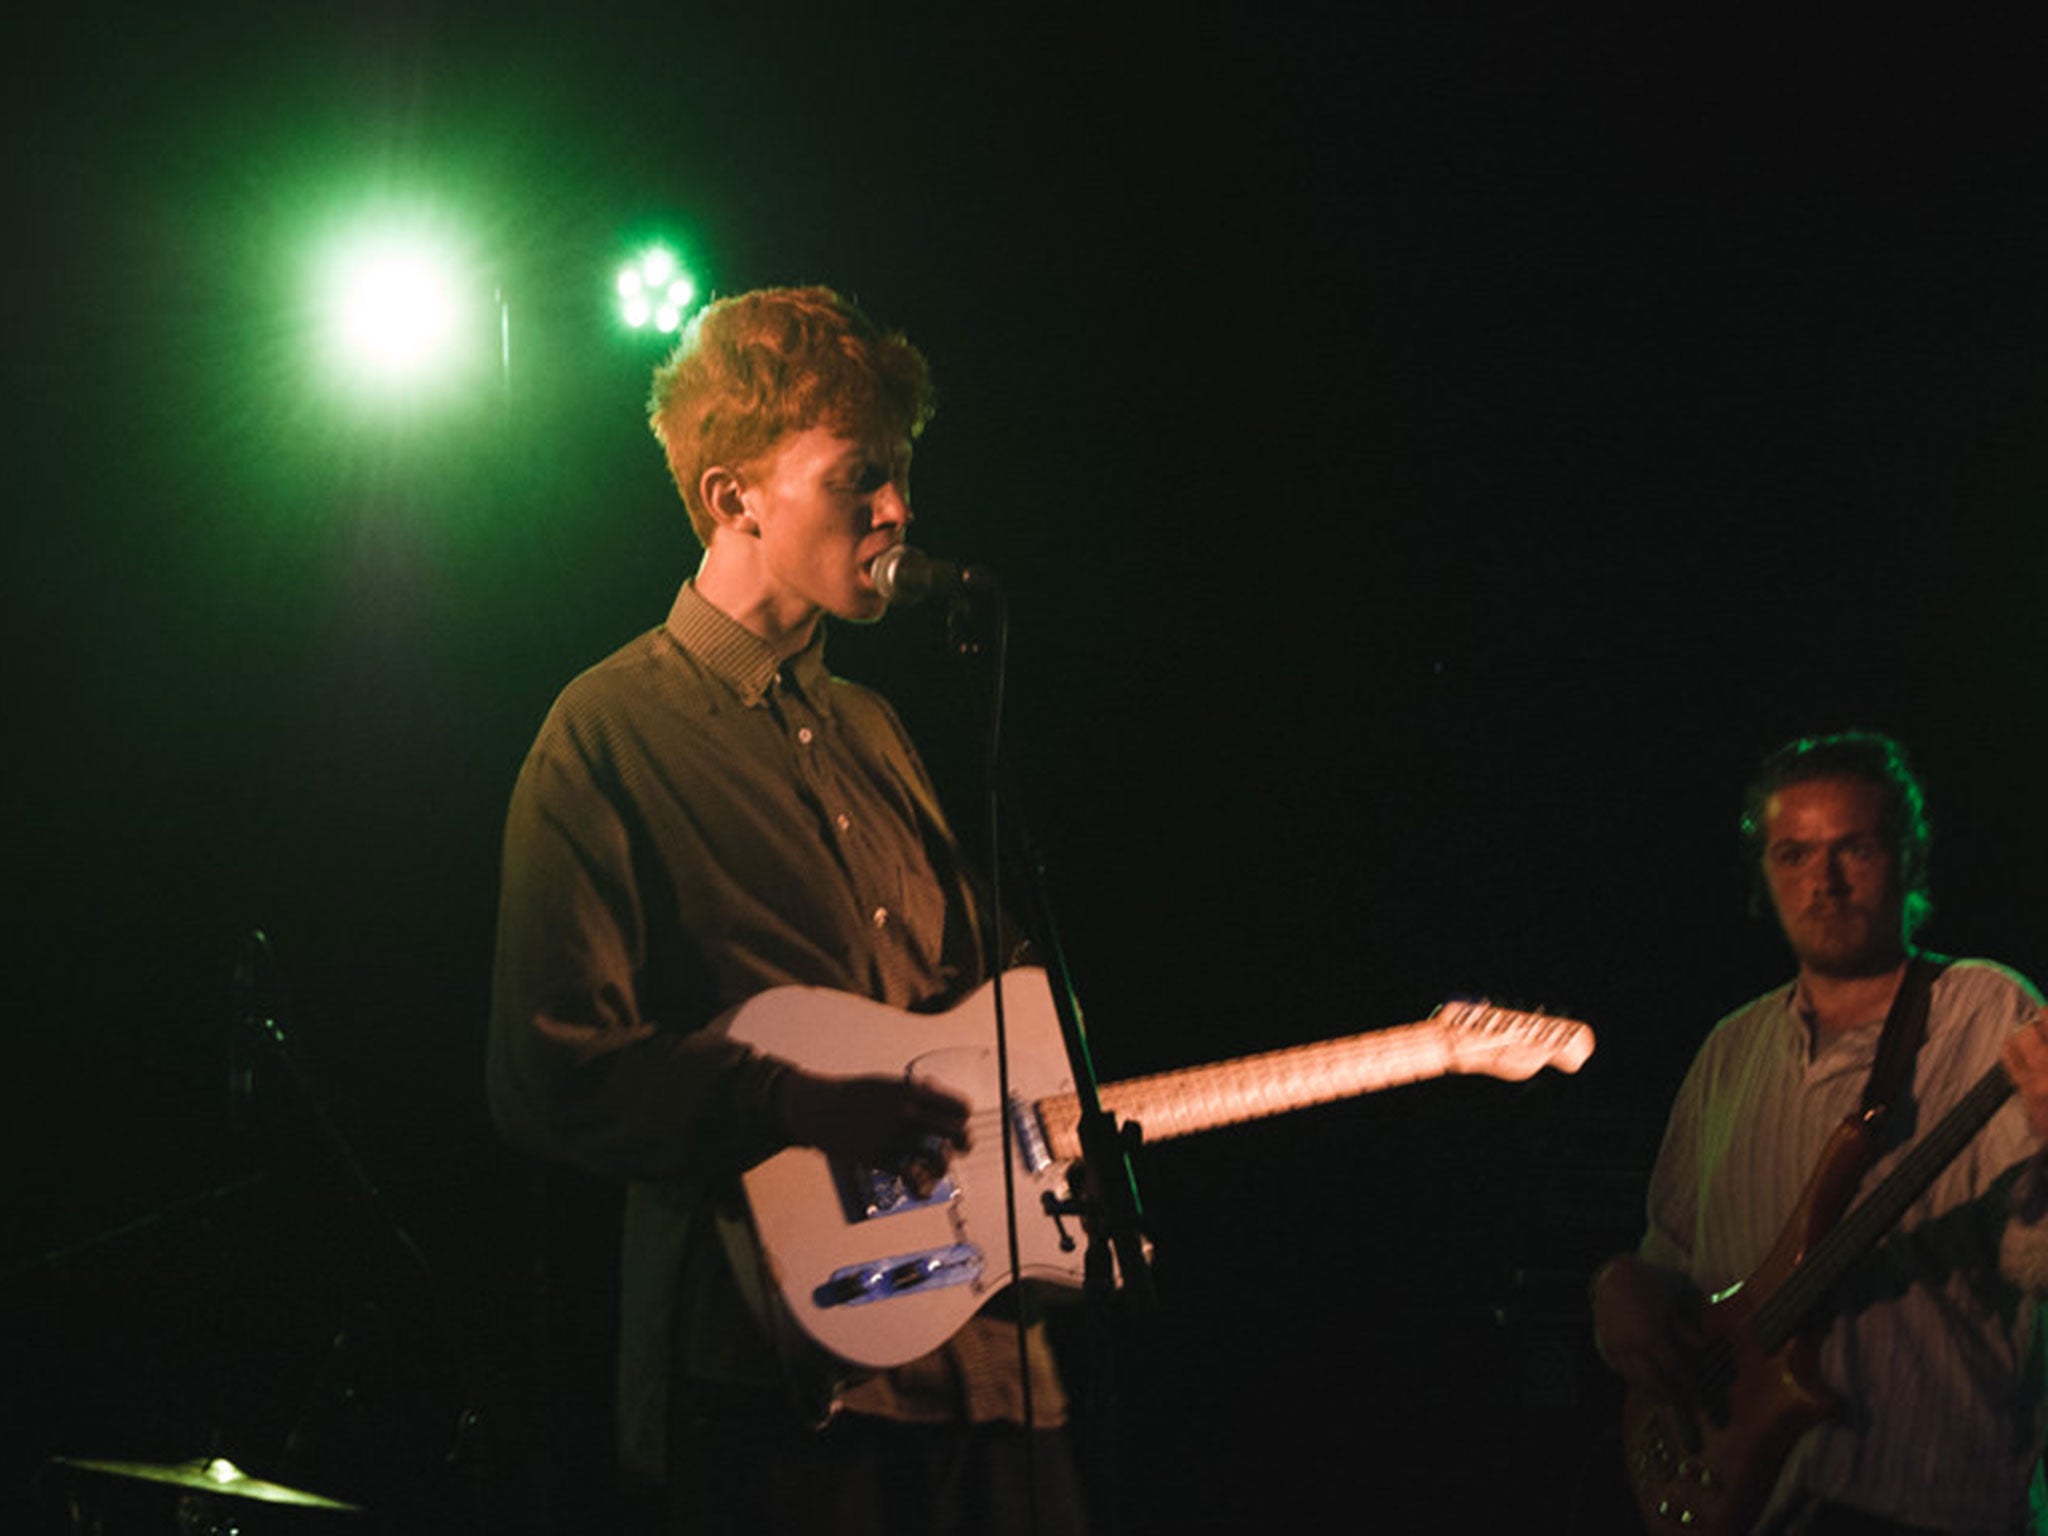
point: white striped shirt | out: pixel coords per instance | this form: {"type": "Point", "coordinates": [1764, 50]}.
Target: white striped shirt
{"type": "Point", "coordinates": [1940, 1359]}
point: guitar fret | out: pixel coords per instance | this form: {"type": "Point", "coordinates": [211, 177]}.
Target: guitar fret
{"type": "Point", "coordinates": [1464, 1038]}
{"type": "Point", "coordinates": [1254, 1087]}
{"type": "Point", "coordinates": [1780, 1316]}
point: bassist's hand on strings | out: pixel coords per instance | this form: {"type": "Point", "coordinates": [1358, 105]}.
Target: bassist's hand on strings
{"type": "Point", "coordinates": [1646, 1324]}
{"type": "Point", "coordinates": [893, 1123]}
{"type": "Point", "coordinates": [2026, 1063]}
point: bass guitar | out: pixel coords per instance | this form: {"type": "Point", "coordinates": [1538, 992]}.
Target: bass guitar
{"type": "Point", "coordinates": [878, 1274]}
{"type": "Point", "coordinates": [1709, 1464]}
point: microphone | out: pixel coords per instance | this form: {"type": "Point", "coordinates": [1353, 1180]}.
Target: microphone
{"type": "Point", "coordinates": [905, 575]}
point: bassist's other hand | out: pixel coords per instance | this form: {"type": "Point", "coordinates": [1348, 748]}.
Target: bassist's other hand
{"type": "Point", "coordinates": [890, 1123]}
{"type": "Point", "coordinates": [1646, 1324]}
{"type": "Point", "coordinates": [2026, 1063]}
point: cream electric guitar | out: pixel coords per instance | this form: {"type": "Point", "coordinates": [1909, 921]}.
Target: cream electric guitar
{"type": "Point", "coordinates": [877, 1274]}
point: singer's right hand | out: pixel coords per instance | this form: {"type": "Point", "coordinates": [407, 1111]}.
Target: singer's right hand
{"type": "Point", "coordinates": [891, 1123]}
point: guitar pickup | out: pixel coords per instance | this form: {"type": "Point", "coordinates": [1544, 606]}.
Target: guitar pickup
{"type": "Point", "coordinates": [907, 1273]}
{"type": "Point", "coordinates": [866, 1193]}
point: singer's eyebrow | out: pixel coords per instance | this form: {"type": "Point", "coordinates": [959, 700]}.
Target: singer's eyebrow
{"type": "Point", "coordinates": [877, 466]}
{"type": "Point", "coordinates": [890, 458]}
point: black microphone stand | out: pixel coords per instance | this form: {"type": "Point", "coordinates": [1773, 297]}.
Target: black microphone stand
{"type": "Point", "coordinates": [258, 1008]}
{"type": "Point", "coordinates": [1103, 1190]}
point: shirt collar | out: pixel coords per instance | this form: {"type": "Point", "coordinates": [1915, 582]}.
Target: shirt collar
{"type": "Point", "coordinates": [735, 654]}
{"type": "Point", "coordinates": [1800, 1020]}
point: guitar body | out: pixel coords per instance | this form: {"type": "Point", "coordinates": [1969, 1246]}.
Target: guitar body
{"type": "Point", "coordinates": [1709, 1466]}
{"type": "Point", "coordinates": [878, 1274]}
{"type": "Point", "coordinates": [871, 1272]}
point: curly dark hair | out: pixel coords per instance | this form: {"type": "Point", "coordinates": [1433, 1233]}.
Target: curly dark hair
{"type": "Point", "coordinates": [1874, 759]}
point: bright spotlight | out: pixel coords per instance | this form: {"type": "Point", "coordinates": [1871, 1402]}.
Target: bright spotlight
{"type": "Point", "coordinates": [398, 312]}
{"type": "Point", "coordinates": [655, 293]}
{"type": "Point", "coordinates": [402, 310]}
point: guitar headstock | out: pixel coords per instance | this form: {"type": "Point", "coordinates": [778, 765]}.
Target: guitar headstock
{"type": "Point", "coordinates": [1511, 1043]}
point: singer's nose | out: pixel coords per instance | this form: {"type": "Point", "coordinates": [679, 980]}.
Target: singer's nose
{"type": "Point", "coordinates": [890, 507]}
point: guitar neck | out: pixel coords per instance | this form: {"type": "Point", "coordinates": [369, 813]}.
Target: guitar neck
{"type": "Point", "coordinates": [1856, 1233]}
{"type": "Point", "coordinates": [1170, 1104]}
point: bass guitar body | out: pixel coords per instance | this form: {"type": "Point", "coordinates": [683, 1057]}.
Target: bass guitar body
{"type": "Point", "coordinates": [1708, 1464]}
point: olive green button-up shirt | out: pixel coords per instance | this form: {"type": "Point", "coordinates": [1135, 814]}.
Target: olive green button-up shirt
{"type": "Point", "coordinates": [695, 824]}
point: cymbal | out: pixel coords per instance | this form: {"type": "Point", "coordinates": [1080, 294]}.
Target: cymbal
{"type": "Point", "coordinates": [209, 1474]}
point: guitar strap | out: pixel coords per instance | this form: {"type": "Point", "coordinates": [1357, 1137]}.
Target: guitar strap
{"type": "Point", "coordinates": [1905, 1028]}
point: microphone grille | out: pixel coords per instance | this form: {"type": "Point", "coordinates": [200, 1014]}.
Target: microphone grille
{"type": "Point", "coordinates": [895, 570]}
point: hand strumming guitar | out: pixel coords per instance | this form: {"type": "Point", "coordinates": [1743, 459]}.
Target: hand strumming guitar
{"type": "Point", "coordinates": [2026, 1063]}
{"type": "Point", "coordinates": [1646, 1324]}
{"type": "Point", "coordinates": [891, 1123]}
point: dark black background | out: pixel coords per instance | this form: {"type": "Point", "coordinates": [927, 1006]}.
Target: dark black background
{"type": "Point", "coordinates": [1432, 451]}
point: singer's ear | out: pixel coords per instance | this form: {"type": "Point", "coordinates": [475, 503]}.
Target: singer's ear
{"type": "Point", "coordinates": [725, 497]}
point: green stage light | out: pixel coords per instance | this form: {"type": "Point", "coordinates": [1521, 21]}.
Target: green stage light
{"type": "Point", "coordinates": [402, 311]}
{"type": "Point", "coordinates": [655, 292]}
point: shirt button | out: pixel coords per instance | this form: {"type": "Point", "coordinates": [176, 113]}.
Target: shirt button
{"type": "Point", "coordinates": [803, 734]}
{"type": "Point", "coordinates": [881, 917]}
{"type": "Point", "coordinates": [842, 821]}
